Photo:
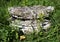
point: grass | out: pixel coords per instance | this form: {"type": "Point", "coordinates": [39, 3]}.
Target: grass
{"type": "Point", "coordinates": [6, 33]}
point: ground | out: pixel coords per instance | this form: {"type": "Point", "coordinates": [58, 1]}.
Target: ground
{"type": "Point", "coordinates": [7, 34]}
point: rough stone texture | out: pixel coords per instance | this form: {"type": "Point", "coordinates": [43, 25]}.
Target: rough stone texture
{"type": "Point", "coordinates": [30, 12]}
{"type": "Point", "coordinates": [28, 18]}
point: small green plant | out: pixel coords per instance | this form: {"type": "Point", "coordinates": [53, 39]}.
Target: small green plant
{"type": "Point", "coordinates": [41, 16]}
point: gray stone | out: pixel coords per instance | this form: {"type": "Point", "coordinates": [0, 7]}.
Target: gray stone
{"type": "Point", "coordinates": [30, 19]}
{"type": "Point", "coordinates": [30, 12]}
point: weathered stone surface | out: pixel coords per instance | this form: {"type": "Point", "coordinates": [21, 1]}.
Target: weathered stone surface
{"type": "Point", "coordinates": [26, 18]}
{"type": "Point", "coordinates": [30, 12]}
{"type": "Point", "coordinates": [30, 26]}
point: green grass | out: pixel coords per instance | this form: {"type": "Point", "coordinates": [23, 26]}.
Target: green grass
{"type": "Point", "coordinates": [6, 33]}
